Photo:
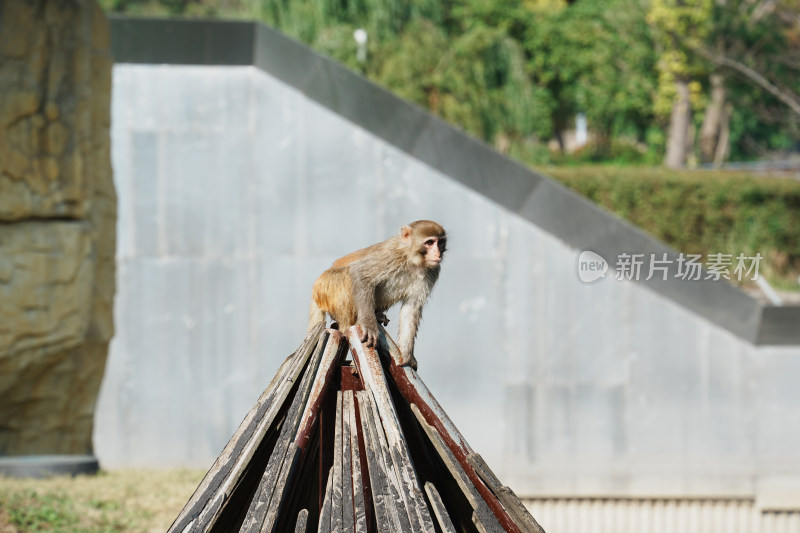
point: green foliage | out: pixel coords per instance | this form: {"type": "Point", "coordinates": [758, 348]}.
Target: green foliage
{"type": "Point", "coordinates": [680, 26]}
{"type": "Point", "coordinates": [516, 72]}
{"type": "Point", "coordinates": [513, 71]}
{"type": "Point", "coordinates": [597, 58]}
{"type": "Point", "coordinates": [479, 82]}
{"type": "Point", "coordinates": [763, 40]}
{"type": "Point", "coordinates": [703, 212]}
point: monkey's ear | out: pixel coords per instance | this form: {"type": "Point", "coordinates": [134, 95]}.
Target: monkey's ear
{"type": "Point", "coordinates": [405, 232]}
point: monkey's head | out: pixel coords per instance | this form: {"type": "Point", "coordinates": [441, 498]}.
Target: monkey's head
{"type": "Point", "coordinates": [425, 242]}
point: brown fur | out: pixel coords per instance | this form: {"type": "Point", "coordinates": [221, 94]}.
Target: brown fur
{"type": "Point", "coordinates": [373, 279]}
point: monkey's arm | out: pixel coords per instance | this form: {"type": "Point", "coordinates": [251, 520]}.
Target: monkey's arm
{"type": "Point", "coordinates": [364, 299]}
{"type": "Point", "coordinates": [410, 316]}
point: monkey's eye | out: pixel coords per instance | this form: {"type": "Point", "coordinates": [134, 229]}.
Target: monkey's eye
{"type": "Point", "coordinates": [430, 242]}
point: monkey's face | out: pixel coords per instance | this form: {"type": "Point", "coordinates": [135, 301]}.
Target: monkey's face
{"type": "Point", "coordinates": [433, 250]}
{"type": "Point", "coordinates": [425, 241]}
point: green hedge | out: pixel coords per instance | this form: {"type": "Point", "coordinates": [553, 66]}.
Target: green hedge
{"type": "Point", "coordinates": [703, 212]}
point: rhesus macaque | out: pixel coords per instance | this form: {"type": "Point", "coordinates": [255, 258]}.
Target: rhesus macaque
{"type": "Point", "coordinates": [360, 287]}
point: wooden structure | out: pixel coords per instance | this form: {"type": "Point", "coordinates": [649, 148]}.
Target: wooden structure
{"type": "Point", "coordinates": [349, 446]}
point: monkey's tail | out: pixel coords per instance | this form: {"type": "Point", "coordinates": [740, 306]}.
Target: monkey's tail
{"type": "Point", "coordinates": [315, 314]}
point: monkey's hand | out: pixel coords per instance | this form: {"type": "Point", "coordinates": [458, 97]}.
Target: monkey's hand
{"type": "Point", "coordinates": [381, 318]}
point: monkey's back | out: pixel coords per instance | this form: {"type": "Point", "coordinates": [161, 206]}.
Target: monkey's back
{"type": "Point", "coordinates": [333, 293]}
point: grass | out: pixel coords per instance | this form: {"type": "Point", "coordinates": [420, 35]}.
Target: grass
{"type": "Point", "coordinates": [141, 501]}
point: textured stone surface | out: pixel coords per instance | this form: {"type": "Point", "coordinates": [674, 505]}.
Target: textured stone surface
{"type": "Point", "coordinates": [57, 223]}
{"type": "Point", "coordinates": [46, 274]}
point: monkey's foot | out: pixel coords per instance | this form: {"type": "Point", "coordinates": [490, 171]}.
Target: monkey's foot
{"type": "Point", "coordinates": [381, 318]}
{"type": "Point", "coordinates": [369, 337]}
{"type": "Point", "coordinates": [412, 362]}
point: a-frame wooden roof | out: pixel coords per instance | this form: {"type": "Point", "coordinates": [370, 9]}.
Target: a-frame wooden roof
{"type": "Point", "coordinates": [355, 445]}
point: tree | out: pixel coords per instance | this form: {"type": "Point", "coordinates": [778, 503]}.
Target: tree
{"type": "Point", "coordinates": [749, 45]}
{"type": "Point", "coordinates": [476, 80]}
{"type": "Point", "coordinates": [596, 58]}
{"type": "Point", "coordinates": [677, 23]}
{"type": "Point", "coordinates": [613, 49]}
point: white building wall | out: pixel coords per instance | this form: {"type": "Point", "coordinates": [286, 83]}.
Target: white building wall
{"type": "Point", "coordinates": [236, 191]}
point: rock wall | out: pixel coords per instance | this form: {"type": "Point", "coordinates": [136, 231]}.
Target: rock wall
{"type": "Point", "coordinates": [57, 223]}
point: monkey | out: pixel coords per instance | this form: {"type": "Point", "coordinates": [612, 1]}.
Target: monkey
{"type": "Point", "coordinates": [360, 287]}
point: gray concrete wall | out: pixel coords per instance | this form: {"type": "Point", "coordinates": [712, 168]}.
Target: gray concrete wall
{"type": "Point", "coordinates": [236, 190]}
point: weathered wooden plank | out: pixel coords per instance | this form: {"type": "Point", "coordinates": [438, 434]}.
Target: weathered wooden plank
{"type": "Point", "coordinates": [439, 510]}
{"type": "Point", "coordinates": [478, 524]}
{"type": "Point", "coordinates": [371, 372]}
{"type": "Point", "coordinates": [336, 509]}
{"type": "Point", "coordinates": [331, 361]}
{"type": "Point", "coordinates": [484, 515]}
{"type": "Point", "coordinates": [327, 428]}
{"type": "Point", "coordinates": [374, 474]}
{"type": "Point", "coordinates": [324, 525]}
{"type": "Point", "coordinates": [301, 526]}
{"type": "Point", "coordinates": [379, 479]}
{"type": "Point", "coordinates": [359, 506]}
{"type": "Point", "coordinates": [348, 519]}
{"type": "Point", "coordinates": [414, 390]}
{"type": "Point", "coordinates": [395, 502]}
{"type": "Point", "coordinates": [289, 467]}
{"type": "Point", "coordinates": [522, 517]}
{"type": "Point", "coordinates": [204, 507]}
{"type": "Point", "coordinates": [262, 511]}
{"type": "Point", "coordinates": [298, 424]}
{"type": "Point", "coordinates": [363, 465]}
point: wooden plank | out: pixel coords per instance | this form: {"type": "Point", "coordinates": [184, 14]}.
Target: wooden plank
{"type": "Point", "coordinates": [204, 507]}
{"type": "Point", "coordinates": [301, 526]}
{"type": "Point", "coordinates": [377, 474]}
{"type": "Point", "coordinates": [371, 372]}
{"type": "Point", "coordinates": [331, 361]}
{"type": "Point", "coordinates": [522, 517]}
{"type": "Point", "coordinates": [327, 429]}
{"type": "Point", "coordinates": [336, 509]}
{"type": "Point", "coordinates": [348, 519]}
{"type": "Point", "coordinates": [439, 510]}
{"type": "Point", "coordinates": [395, 503]}
{"type": "Point", "coordinates": [350, 379]}
{"type": "Point", "coordinates": [363, 465]}
{"type": "Point", "coordinates": [414, 391]}
{"type": "Point", "coordinates": [324, 525]}
{"type": "Point", "coordinates": [478, 523]}
{"type": "Point", "coordinates": [262, 512]}
{"type": "Point", "coordinates": [289, 467]}
{"type": "Point", "coordinates": [486, 518]}
{"type": "Point", "coordinates": [299, 421]}
{"type": "Point", "coordinates": [359, 507]}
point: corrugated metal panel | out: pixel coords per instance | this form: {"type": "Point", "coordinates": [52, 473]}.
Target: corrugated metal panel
{"type": "Point", "coordinates": [654, 515]}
